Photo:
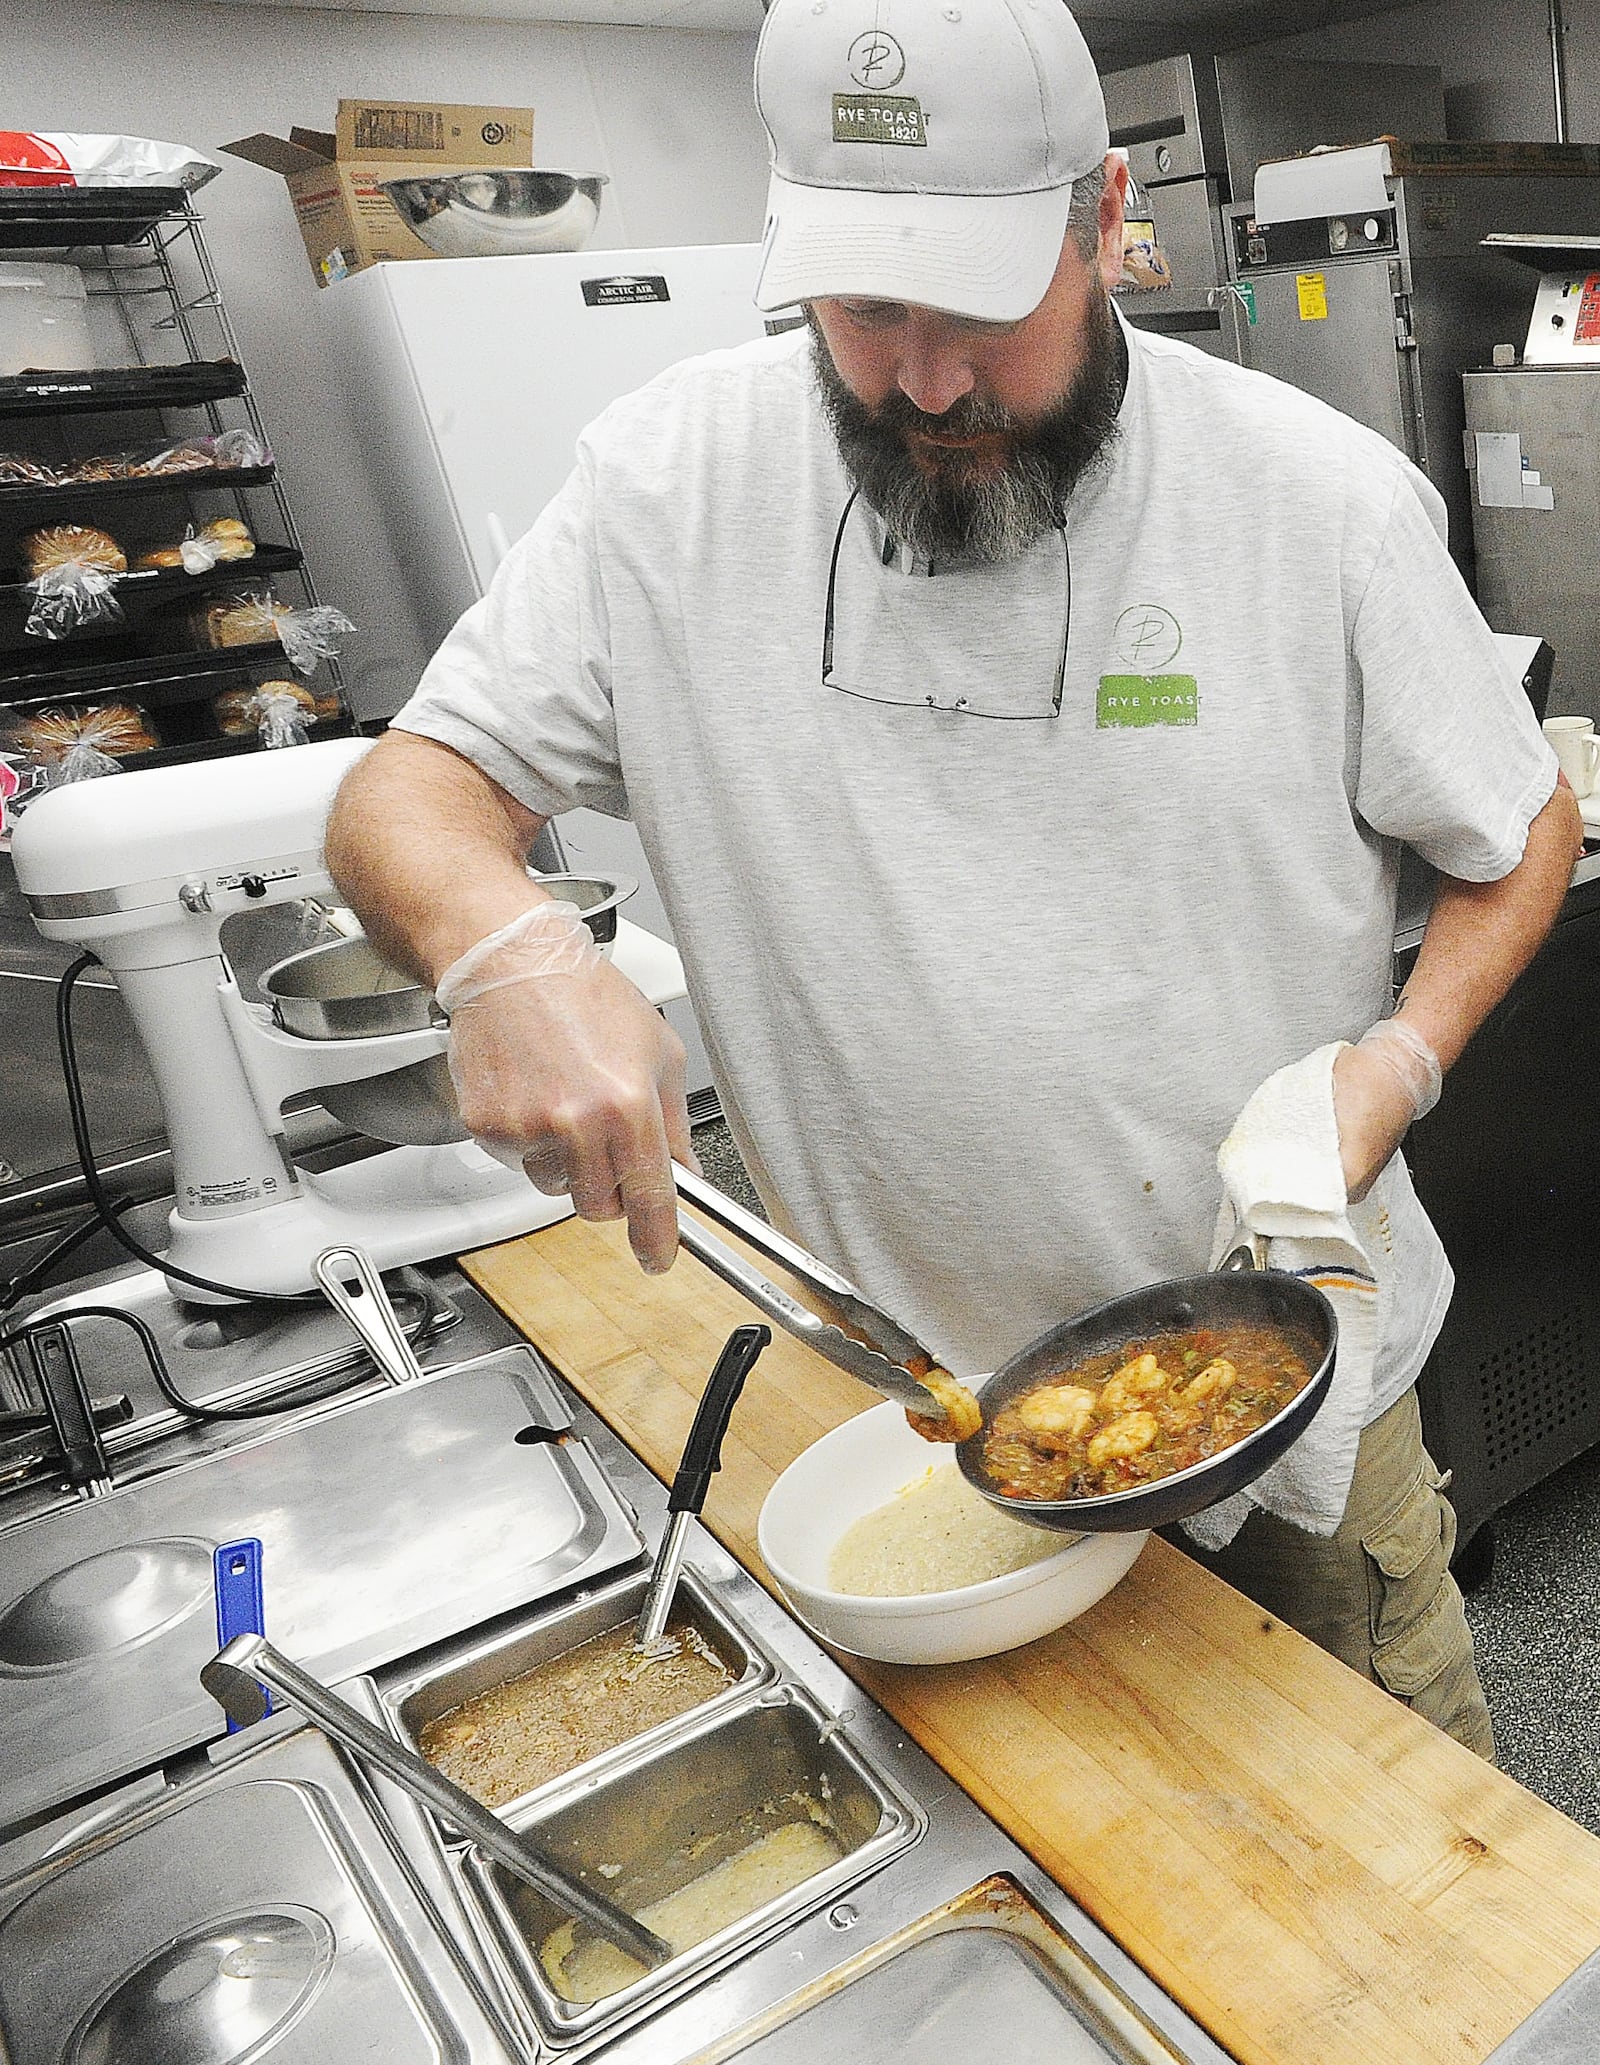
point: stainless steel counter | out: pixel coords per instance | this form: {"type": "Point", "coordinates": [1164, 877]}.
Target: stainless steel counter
{"type": "Point", "coordinates": [945, 1932]}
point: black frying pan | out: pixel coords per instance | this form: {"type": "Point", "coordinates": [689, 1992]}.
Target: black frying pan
{"type": "Point", "coordinates": [1231, 1296]}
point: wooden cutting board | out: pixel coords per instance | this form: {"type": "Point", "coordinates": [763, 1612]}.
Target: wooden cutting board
{"type": "Point", "coordinates": [1318, 1876]}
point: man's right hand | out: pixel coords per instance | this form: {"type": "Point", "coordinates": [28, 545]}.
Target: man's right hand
{"type": "Point", "coordinates": [570, 1071]}
{"type": "Point", "coordinates": [578, 1077]}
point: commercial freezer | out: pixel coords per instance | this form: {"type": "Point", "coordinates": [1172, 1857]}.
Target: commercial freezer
{"type": "Point", "coordinates": [470, 380]}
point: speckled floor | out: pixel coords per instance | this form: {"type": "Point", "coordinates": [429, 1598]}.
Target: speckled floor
{"type": "Point", "coordinates": [713, 1143]}
{"type": "Point", "coordinates": [1538, 1634]}
{"type": "Point", "coordinates": [1536, 1620]}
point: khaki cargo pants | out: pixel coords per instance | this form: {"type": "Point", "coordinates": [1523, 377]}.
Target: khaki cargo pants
{"type": "Point", "coordinates": [1377, 1594]}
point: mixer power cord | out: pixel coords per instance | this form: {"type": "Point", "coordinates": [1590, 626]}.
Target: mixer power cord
{"type": "Point", "coordinates": [106, 1210]}
{"type": "Point", "coordinates": [77, 1111]}
{"type": "Point", "coordinates": [311, 1393]}
{"type": "Point", "coordinates": [38, 1272]}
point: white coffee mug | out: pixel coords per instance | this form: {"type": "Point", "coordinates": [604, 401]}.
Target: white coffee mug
{"type": "Point", "coordinates": [1578, 750]}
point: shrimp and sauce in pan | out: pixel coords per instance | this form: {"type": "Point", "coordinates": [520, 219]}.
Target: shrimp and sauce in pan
{"type": "Point", "coordinates": [1140, 1412]}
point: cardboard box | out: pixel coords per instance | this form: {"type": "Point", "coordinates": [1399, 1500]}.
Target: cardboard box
{"type": "Point", "coordinates": [336, 181]}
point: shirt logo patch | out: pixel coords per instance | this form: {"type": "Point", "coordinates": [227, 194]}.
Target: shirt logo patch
{"type": "Point", "coordinates": [879, 118]}
{"type": "Point", "coordinates": [1146, 639]}
{"type": "Point", "coordinates": [1135, 701]}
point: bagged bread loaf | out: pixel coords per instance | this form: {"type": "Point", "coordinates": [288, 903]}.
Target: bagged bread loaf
{"type": "Point", "coordinates": [257, 616]}
{"type": "Point", "coordinates": [224, 538]}
{"type": "Point", "coordinates": [71, 567]}
{"type": "Point", "coordinates": [248, 618]}
{"type": "Point", "coordinates": [74, 742]}
{"type": "Point", "coordinates": [71, 544]}
{"type": "Point", "coordinates": [279, 712]}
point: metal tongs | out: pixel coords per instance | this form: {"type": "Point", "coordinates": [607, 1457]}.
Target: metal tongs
{"type": "Point", "coordinates": [849, 1330]}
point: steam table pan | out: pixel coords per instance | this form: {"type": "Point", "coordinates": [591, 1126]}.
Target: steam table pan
{"type": "Point", "coordinates": [387, 1522]}
{"type": "Point", "coordinates": [694, 1801]}
{"type": "Point", "coordinates": [259, 1910]}
{"type": "Point", "coordinates": [988, 1968]}
{"type": "Point", "coordinates": [419, 1691]}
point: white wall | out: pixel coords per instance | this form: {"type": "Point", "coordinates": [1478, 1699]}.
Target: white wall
{"type": "Point", "coordinates": [1495, 55]}
{"type": "Point", "coordinates": [668, 114]}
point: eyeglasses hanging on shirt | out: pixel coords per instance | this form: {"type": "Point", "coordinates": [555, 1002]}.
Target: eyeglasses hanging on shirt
{"type": "Point", "coordinates": [954, 640]}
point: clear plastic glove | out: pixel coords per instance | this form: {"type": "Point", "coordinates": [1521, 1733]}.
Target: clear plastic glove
{"type": "Point", "coordinates": [1390, 1077]}
{"type": "Point", "coordinates": [561, 1067]}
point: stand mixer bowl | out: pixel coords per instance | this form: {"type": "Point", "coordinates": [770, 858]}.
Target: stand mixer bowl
{"type": "Point", "coordinates": [346, 990]}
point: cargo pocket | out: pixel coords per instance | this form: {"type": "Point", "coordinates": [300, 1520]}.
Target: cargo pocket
{"type": "Point", "coordinates": [1418, 1625]}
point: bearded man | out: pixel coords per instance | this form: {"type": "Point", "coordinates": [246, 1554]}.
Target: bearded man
{"type": "Point", "coordinates": [1022, 716]}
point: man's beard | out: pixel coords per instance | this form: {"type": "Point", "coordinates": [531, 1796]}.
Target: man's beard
{"type": "Point", "coordinates": [949, 508]}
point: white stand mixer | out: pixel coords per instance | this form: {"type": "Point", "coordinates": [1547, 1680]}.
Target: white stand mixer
{"type": "Point", "coordinates": [142, 871]}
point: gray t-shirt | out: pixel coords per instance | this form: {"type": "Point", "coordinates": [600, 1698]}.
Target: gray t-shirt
{"type": "Point", "coordinates": [983, 993]}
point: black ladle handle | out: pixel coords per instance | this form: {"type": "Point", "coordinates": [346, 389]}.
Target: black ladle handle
{"type": "Point", "coordinates": [702, 1452]}
{"type": "Point", "coordinates": [59, 1374]}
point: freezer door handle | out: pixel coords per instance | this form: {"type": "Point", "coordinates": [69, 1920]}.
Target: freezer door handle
{"type": "Point", "coordinates": [499, 543]}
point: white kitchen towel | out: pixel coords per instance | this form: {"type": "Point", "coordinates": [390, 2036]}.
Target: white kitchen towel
{"type": "Point", "coordinates": [1282, 1179]}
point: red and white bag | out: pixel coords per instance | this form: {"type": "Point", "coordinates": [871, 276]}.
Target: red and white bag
{"type": "Point", "coordinates": [53, 158]}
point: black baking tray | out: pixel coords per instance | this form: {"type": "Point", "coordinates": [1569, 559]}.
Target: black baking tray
{"type": "Point", "coordinates": [162, 677]}
{"type": "Point", "coordinates": [121, 387]}
{"type": "Point", "coordinates": [77, 493]}
{"type": "Point", "coordinates": [36, 218]}
{"type": "Point", "coordinates": [150, 585]}
{"type": "Point", "coordinates": [221, 748]}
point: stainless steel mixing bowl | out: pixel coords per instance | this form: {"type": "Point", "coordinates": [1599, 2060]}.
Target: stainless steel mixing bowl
{"type": "Point", "coordinates": [346, 990]}
{"type": "Point", "coordinates": [484, 214]}
{"type": "Point", "coordinates": [596, 896]}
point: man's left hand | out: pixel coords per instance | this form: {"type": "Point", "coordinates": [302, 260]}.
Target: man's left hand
{"type": "Point", "coordinates": [1373, 1109]}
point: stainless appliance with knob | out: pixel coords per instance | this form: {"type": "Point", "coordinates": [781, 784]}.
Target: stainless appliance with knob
{"type": "Point", "coordinates": [1195, 128]}
{"type": "Point", "coordinates": [1367, 283]}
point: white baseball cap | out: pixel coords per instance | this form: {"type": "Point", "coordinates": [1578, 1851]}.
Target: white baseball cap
{"type": "Point", "coordinates": [923, 152]}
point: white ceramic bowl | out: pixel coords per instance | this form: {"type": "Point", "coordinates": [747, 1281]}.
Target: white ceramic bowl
{"type": "Point", "coordinates": [862, 1465]}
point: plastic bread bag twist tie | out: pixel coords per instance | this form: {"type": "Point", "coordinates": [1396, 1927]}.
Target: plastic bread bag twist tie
{"type": "Point", "coordinates": [68, 596]}
{"type": "Point", "coordinates": [83, 761]}
{"type": "Point", "coordinates": [200, 550]}
{"type": "Point", "coordinates": [309, 635]}
{"type": "Point", "coordinates": [280, 718]}
{"type": "Point", "coordinates": [197, 552]}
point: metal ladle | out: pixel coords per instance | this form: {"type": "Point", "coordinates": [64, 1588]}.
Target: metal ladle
{"type": "Point", "coordinates": [234, 1678]}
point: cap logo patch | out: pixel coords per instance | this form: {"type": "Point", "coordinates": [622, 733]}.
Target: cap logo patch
{"type": "Point", "coordinates": [876, 61]}
{"type": "Point", "coordinates": [879, 118]}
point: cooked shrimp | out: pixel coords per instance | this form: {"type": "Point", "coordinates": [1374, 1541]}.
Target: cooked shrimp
{"type": "Point", "coordinates": [1129, 1436]}
{"type": "Point", "coordinates": [1211, 1382]}
{"type": "Point", "coordinates": [963, 1415]}
{"type": "Point", "coordinates": [1135, 1380]}
{"type": "Point", "coordinates": [1055, 1417]}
